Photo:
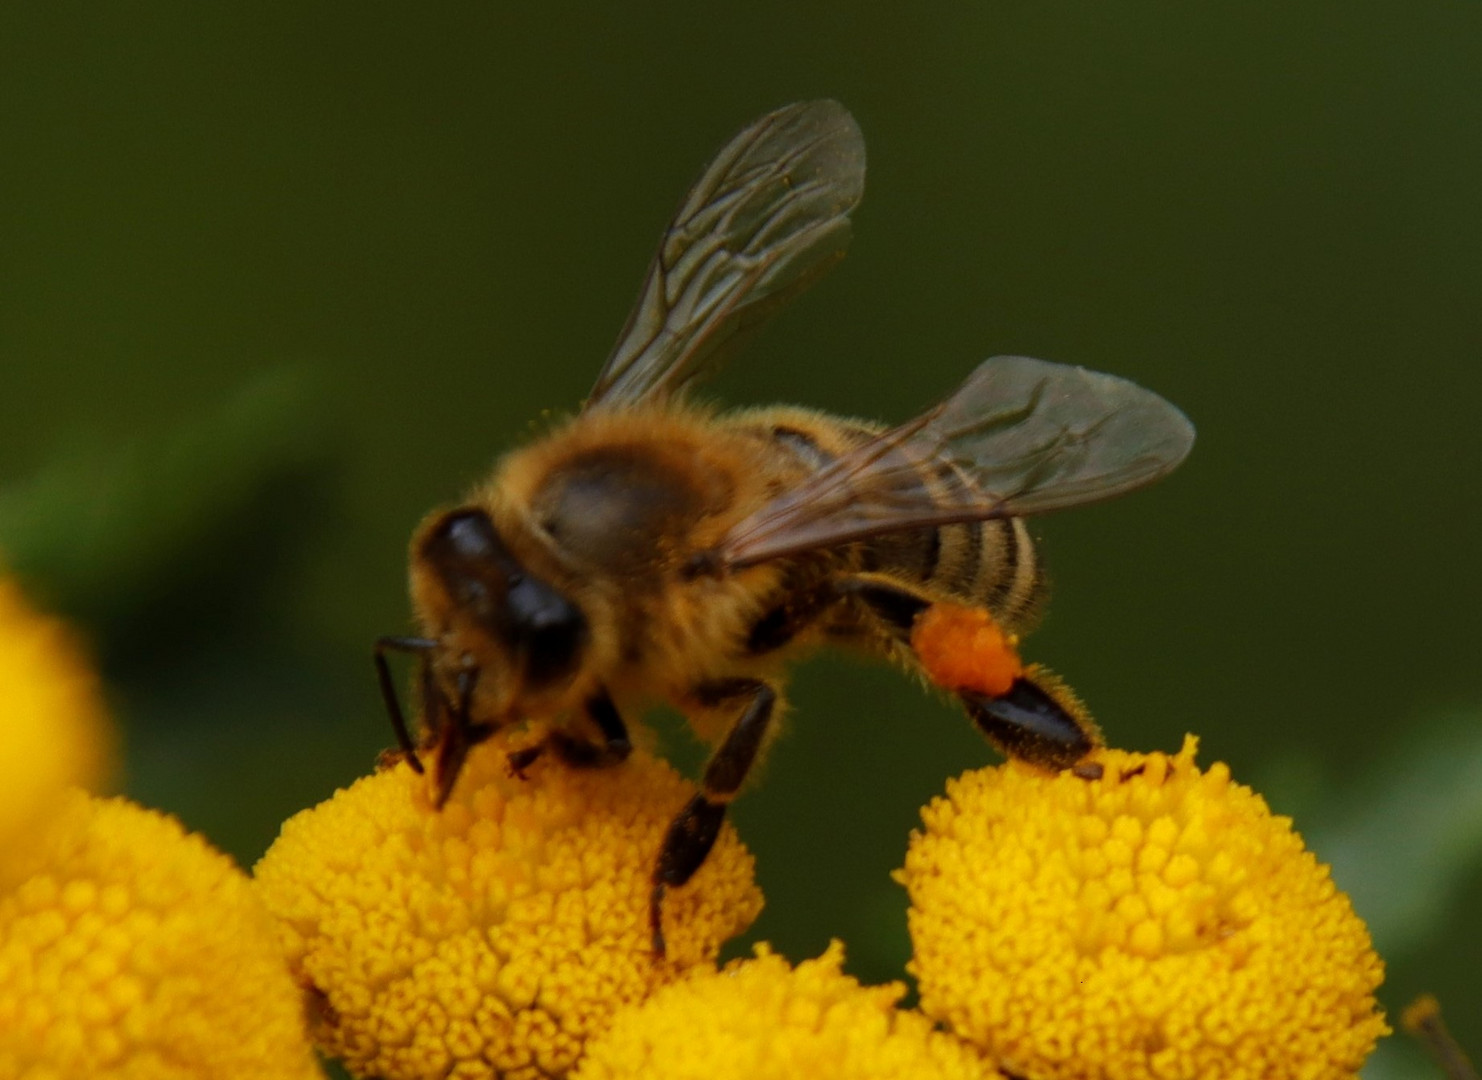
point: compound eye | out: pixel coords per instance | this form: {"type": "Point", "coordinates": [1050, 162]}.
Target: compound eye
{"type": "Point", "coordinates": [475, 567]}
{"type": "Point", "coordinates": [469, 534]}
{"type": "Point", "coordinates": [524, 614]}
{"type": "Point", "coordinates": [551, 628]}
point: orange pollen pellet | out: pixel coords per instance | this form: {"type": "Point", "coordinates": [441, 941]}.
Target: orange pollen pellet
{"type": "Point", "coordinates": [963, 648]}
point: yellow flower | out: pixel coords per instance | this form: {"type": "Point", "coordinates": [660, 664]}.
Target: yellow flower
{"type": "Point", "coordinates": [761, 1020]}
{"type": "Point", "coordinates": [496, 936]}
{"type": "Point", "coordinates": [138, 951]}
{"type": "Point", "coordinates": [1155, 922]}
{"type": "Point", "coordinates": [54, 731]}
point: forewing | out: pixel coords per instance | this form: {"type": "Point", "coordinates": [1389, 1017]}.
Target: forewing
{"type": "Point", "coordinates": [767, 218]}
{"type": "Point", "coordinates": [1020, 436]}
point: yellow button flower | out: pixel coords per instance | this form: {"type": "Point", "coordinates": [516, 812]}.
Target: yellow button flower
{"type": "Point", "coordinates": [1156, 922]}
{"type": "Point", "coordinates": [494, 937]}
{"type": "Point", "coordinates": [137, 951]}
{"type": "Point", "coordinates": [53, 726]}
{"type": "Point", "coordinates": [762, 1020]}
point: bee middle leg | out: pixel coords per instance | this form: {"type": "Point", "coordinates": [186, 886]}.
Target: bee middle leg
{"type": "Point", "coordinates": [693, 831]}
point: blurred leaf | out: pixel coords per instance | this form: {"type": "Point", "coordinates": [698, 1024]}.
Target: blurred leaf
{"type": "Point", "coordinates": [178, 528]}
{"type": "Point", "coordinates": [1404, 843]}
{"type": "Point", "coordinates": [1297, 782]}
{"type": "Point", "coordinates": [1400, 1058]}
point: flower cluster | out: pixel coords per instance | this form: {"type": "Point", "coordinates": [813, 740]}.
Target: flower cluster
{"type": "Point", "coordinates": [761, 1018]}
{"type": "Point", "coordinates": [135, 949]}
{"type": "Point", "coordinates": [54, 721]}
{"type": "Point", "coordinates": [495, 936]}
{"type": "Point", "coordinates": [1137, 917]}
{"type": "Point", "coordinates": [1155, 921]}
{"type": "Point", "coordinates": [128, 948]}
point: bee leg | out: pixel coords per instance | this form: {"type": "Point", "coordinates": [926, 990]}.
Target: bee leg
{"type": "Point", "coordinates": [579, 752]}
{"type": "Point", "coordinates": [692, 833]}
{"type": "Point", "coordinates": [895, 606]}
{"type": "Point", "coordinates": [615, 745]}
{"type": "Point", "coordinates": [1029, 724]}
{"type": "Point", "coordinates": [521, 759]}
{"type": "Point", "coordinates": [779, 625]}
{"type": "Point", "coordinates": [1028, 721]}
{"type": "Point", "coordinates": [423, 648]}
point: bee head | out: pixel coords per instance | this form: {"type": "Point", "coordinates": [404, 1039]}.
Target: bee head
{"type": "Point", "coordinates": [534, 629]}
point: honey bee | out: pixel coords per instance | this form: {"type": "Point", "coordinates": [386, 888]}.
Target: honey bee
{"type": "Point", "coordinates": [650, 549]}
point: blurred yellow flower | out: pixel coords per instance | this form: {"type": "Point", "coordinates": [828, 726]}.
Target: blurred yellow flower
{"type": "Point", "coordinates": [1156, 922]}
{"type": "Point", "coordinates": [493, 937]}
{"type": "Point", "coordinates": [762, 1020]}
{"type": "Point", "coordinates": [139, 951]}
{"type": "Point", "coordinates": [54, 729]}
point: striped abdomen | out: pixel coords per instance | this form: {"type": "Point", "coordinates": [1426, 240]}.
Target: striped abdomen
{"type": "Point", "coordinates": [991, 563]}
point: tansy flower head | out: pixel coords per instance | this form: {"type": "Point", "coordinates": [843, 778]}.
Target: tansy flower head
{"type": "Point", "coordinates": [1156, 922]}
{"type": "Point", "coordinates": [762, 1020]}
{"type": "Point", "coordinates": [139, 951]}
{"type": "Point", "coordinates": [53, 727]}
{"type": "Point", "coordinates": [493, 937]}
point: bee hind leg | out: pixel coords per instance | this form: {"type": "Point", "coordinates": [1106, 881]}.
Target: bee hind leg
{"type": "Point", "coordinates": [1024, 712]}
{"type": "Point", "coordinates": [693, 831]}
{"type": "Point", "coordinates": [1030, 724]}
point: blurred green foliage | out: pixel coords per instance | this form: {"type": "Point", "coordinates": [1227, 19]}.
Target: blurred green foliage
{"type": "Point", "coordinates": [277, 278]}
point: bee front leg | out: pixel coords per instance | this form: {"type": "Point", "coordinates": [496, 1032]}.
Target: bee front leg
{"type": "Point", "coordinates": [422, 648]}
{"type": "Point", "coordinates": [692, 833]}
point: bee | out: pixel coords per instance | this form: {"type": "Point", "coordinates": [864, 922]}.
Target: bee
{"type": "Point", "coordinates": [651, 549]}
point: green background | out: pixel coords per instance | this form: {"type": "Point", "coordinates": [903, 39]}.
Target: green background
{"type": "Point", "coordinates": [276, 278]}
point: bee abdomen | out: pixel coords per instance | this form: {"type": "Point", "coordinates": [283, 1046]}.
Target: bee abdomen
{"type": "Point", "coordinates": [1009, 578]}
{"type": "Point", "coordinates": [990, 563]}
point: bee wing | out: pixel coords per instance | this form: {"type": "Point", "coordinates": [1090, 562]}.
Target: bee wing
{"type": "Point", "coordinates": [768, 217]}
{"type": "Point", "coordinates": [1020, 436]}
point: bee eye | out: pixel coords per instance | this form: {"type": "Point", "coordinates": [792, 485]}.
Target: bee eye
{"type": "Point", "coordinates": [467, 554]}
{"type": "Point", "coordinates": [469, 534]}
{"type": "Point", "coordinates": [526, 614]}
